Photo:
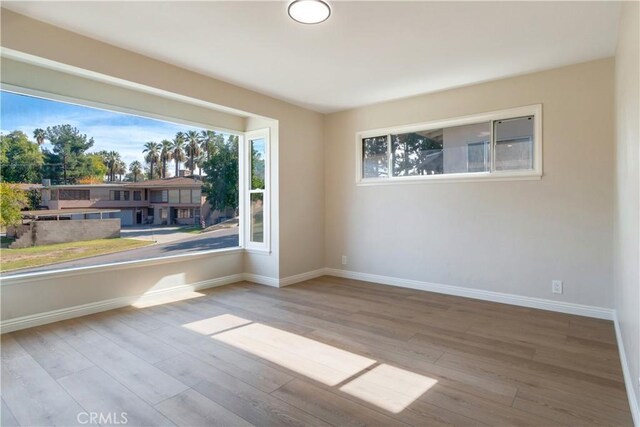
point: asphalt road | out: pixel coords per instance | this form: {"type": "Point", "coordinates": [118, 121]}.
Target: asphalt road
{"type": "Point", "coordinates": [220, 239]}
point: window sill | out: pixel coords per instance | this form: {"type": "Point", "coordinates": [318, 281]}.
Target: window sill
{"type": "Point", "coordinates": [450, 178]}
{"type": "Point", "coordinates": [48, 275]}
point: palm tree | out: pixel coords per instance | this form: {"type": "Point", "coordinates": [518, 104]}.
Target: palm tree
{"type": "Point", "coordinates": [121, 168]}
{"type": "Point", "coordinates": [136, 170]}
{"type": "Point", "coordinates": [193, 147]}
{"type": "Point", "coordinates": [40, 135]}
{"type": "Point", "coordinates": [177, 150]}
{"type": "Point", "coordinates": [152, 156]}
{"type": "Point", "coordinates": [111, 159]}
{"type": "Point", "coordinates": [165, 156]}
{"type": "Point", "coordinates": [200, 162]}
{"type": "Point", "coordinates": [207, 138]}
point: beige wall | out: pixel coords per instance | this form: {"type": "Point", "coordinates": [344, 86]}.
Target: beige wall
{"type": "Point", "coordinates": [627, 189]}
{"type": "Point", "coordinates": [512, 237]}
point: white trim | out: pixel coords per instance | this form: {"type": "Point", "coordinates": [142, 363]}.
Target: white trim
{"type": "Point", "coordinates": [265, 245]}
{"type": "Point", "coordinates": [261, 280]}
{"type": "Point", "coordinates": [529, 110]}
{"type": "Point", "coordinates": [499, 297]}
{"type": "Point", "coordinates": [626, 372]}
{"type": "Point", "coordinates": [24, 322]}
{"type": "Point", "coordinates": [69, 272]}
{"type": "Point", "coordinates": [302, 277]}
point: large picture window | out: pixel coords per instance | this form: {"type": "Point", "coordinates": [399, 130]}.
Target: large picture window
{"type": "Point", "coordinates": [97, 186]}
{"type": "Point", "coordinates": [504, 144]}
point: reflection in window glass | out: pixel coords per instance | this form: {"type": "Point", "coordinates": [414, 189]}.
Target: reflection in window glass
{"type": "Point", "coordinates": [195, 196]}
{"type": "Point", "coordinates": [174, 196]}
{"type": "Point", "coordinates": [417, 153]}
{"type": "Point", "coordinates": [375, 157]}
{"type": "Point", "coordinates": [456, 149]}
{"type": "Point", "coordinates": [185, 196]}
{"type": "Point", "coordinates": [514, 144]}
{"type": "Point", "coordinates": [257, 217]}
{"type": "Point", "coordinates": [257, 163]}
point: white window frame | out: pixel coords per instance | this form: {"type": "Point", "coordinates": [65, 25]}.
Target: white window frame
{"type": "Point", "coordinates": [265, 245]}
{"type": "Point", "coordinates": [534, 110]}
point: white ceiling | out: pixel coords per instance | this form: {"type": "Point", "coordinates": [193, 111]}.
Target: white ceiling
{"type": "Point", "coordinates": [366, 52]}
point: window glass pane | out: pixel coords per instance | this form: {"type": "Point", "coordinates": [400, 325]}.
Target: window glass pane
{"type": "Point", "coordinates": [174, 196]}
{"type": "Point", "coordinates": [375, 158]}
{"type": "Point", "coordinates": [195, 196]}
{"type": "Point", "coordinates": [257, 163]}
{"type": "Point", "coordinates": [185, 196]}
{"type": "Point", "coordinates": [257, 217]}
{"type": "Point", "coordinates": [514, 143]}
{"type": "Point", "coordinates": [417, 153]}
{"type": "Point", "coordinates": [456, 149]}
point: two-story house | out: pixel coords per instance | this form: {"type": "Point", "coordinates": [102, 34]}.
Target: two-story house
{"type": "Point", "coordinates": [177, 200]}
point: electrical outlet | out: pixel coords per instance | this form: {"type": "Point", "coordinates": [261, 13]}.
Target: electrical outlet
{"type": "Point", "coordinates": [556, 286]}
{"type": "Point", "coordinates": [344, 260]}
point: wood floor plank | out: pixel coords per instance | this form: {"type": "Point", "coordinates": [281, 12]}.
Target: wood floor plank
{"type": "Point", "coordinates": [245, 367]}
{"type": "Point", "coordinates": [138, 343]}
{"type": "Point", "coordinates": [34, 398]}
{"type": "Point", "coordinates": [56, 356]}
{"type": "Point", "coordinates": [190, 408]}
{"type": "Point", "coordinates": [6, 416]}
{"type": "Point", "coordinates": [138, 375]}
{"type": "Point", "coordinates": [99, 393]}
{"type": "Point", "coordinates": [251, 404]}
{"type": "Point", "coordinates": [331, 407]}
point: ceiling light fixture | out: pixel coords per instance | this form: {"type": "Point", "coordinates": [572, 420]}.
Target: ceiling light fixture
{"type": "Point", "coordinates": [309, 11]}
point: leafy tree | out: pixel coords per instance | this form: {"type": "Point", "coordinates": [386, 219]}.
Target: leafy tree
{"type": "Point", "coordinates": [34, 198]}
{"type": "Point", "coordinates": [136, 170]}
{"type": "Point", "coordinates": [193, 148]}
{"type": "Point", "coordinates": [221, 183]}
{"type": "Point", "coordinates": [69, 152]}
{"type": "Point", "coordinates": [165, 156]}
{"type": "Point", "coordinates": [21, 159]}
{"type": "Point", "coordinates": [97, 168]}
{"type": "Point", "coordinates": [152, 156]}
{"type": "Point", "coordinates": [416, 154]}
{"type": "Point", "coordinates": [12, 200]}
{"type": "Point", "coordinates": [177, 151]}
{"type": "Point", "coordinates": [375, 153]}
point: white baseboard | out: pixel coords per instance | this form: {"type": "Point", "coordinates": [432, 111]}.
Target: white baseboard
{"type": "Point", "coordinates": [540, 303]}
{"type": "Point", "coordinates": [302, 277]}
{"type": "Point", "coordinates": [261, 280]}
{"type": "Point", "coordinates": [628, 380]}
{"type": "Point", "coordinates": [24, 322]}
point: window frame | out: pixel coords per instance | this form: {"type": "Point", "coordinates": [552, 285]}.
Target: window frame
{"type": "Point", "coordinates": [534, 110]}
{"type": "Point", "coordinates": [246, 169]}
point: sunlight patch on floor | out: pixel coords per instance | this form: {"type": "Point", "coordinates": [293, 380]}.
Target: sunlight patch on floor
{"type": "Point", "coordinates": [321, 362]}
{"type": "Point", "coordinates": [388, 387]}
{"type": "Point", "coordinates": [216, 324]}
{"type": "Point", "coordinates": [153, 300]}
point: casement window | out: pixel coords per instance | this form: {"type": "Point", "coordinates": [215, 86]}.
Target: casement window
{"type": "Point", "coordinates": [256, 183]}
{"type": "Point", "coordinates": [137, 195]}
{"type": "Point", "coordinates": [499, 145]}
{"type": "Point", "coordinates": [159, 196]}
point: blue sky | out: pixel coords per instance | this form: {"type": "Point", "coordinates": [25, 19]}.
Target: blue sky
{"type": "Point", "coordinates": [111, 131]}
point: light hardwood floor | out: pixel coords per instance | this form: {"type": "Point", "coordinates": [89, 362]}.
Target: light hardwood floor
{"type": "Point", "coordinates": [327, 351]}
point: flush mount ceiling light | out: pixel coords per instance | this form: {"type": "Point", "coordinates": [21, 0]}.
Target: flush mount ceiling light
{"type": "Point", "coordinates": [309, 11]}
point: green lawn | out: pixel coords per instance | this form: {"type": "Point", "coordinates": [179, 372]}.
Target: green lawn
{"type": "Point", "coordinates": [12, 259]}
{"type": "Point", "coordinates": [192, 229]}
